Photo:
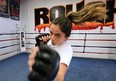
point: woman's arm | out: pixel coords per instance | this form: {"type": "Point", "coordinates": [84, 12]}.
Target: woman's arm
{"type": "Point", "coordinates": [62, 71]}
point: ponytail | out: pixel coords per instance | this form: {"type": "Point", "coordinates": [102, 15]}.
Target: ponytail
{"type": "Point", "coordinates": [93, 11]}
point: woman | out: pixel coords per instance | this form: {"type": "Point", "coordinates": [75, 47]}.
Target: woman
{"type": "Point", "coordinates": [60, 30]}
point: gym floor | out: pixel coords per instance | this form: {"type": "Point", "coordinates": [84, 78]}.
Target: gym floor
{"type": "Point", "coordinates": [81, 69]}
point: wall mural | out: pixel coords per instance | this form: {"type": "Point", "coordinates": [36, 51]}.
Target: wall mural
{"type": "Point", "coordinates": [49, 14]}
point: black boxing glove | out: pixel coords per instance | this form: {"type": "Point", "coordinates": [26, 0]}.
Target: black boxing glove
{"type": "Point", "coordinates": [46, 65]}
{"type": "Point", "coordinates": [38, 41]}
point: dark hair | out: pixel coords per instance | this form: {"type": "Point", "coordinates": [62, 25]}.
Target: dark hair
{"type": "Point", "coordinates": [92, 11]}
{"type": "Point", "coordinates": [65, 25]}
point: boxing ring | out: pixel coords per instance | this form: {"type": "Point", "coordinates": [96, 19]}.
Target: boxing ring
{"type": "Point", "coordinates": [94, 45]}
{"type": "Point", "coordinates": [81, 44]}
{"type": "Point", "coordinates": [9, 44]}
{"type": "Point", "coordinates": [81, 69]}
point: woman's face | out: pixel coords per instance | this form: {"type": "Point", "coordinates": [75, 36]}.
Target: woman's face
{"type": "Point", "coordinates": [57, 36]}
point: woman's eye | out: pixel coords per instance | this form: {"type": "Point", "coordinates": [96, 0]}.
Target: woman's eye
{"type": "Point", "coordinates": [57, 35]}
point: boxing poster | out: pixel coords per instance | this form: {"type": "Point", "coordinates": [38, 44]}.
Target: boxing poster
{"type": "Point", "coordinates": [14, 6]}
{"type": "Point", "coordinates": [4, 8]}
